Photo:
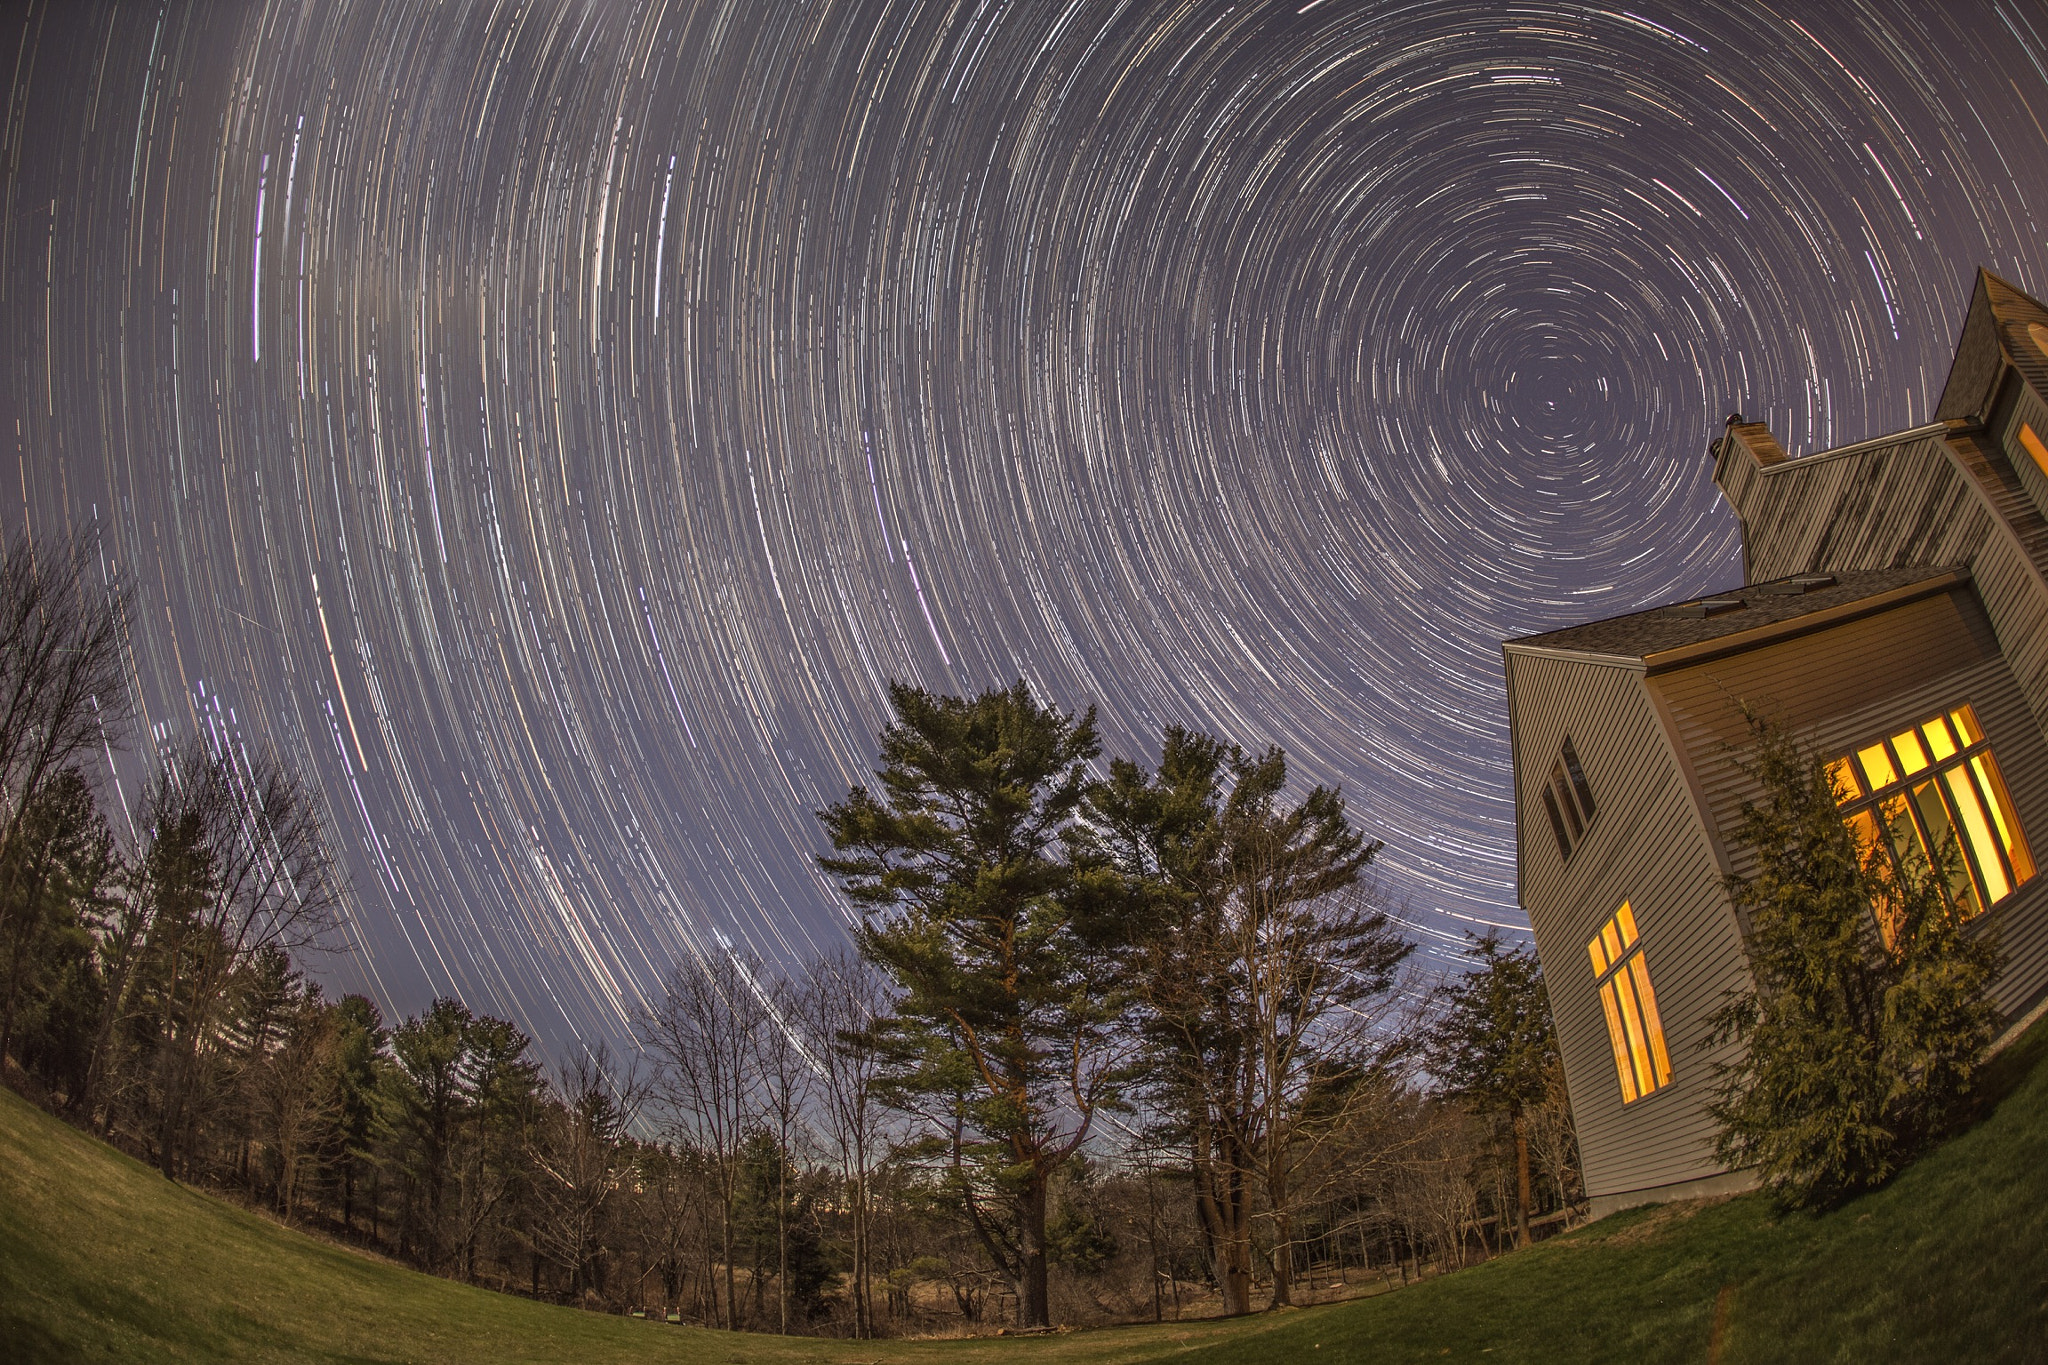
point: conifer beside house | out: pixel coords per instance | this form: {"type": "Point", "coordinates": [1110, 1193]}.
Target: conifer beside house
{"type": "Point", "coordinates": [1895, 617]}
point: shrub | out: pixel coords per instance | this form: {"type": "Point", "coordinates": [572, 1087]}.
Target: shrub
{"type": "Point", "coordinates": [1859, 1050]}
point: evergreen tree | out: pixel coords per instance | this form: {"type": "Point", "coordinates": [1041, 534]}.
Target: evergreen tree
{"type": "Point", "coordinates": [1257, 965]}
{"type": "Point", "coordinates": [1494, 1046]}
{"type": "Point", "coordinates": [960, 858]}
{"type": "Point", "coordinates": [60, 876]}
{"type": "Point", "coordinates": [778, 1227]}
{"type": "Point", "coordinates": [506, 1097]}
{"type": "Point", "coordinates": [426, 1095]}
{"type": "Point", "coordinates": [360, 1042]}
{"type": "Point", "coordinates": [1858, 1050]}
{"type": "Point", "coordinates": [263, 997]}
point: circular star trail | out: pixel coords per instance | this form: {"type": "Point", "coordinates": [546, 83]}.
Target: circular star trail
{"type": "Point", "coordinates": [552, 423]}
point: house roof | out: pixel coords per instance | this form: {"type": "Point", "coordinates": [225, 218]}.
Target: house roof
{"type": "Point", "coordinates": [1740, 618]}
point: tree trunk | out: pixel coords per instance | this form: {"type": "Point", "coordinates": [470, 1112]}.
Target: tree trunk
{"type": "Point", "coordinates": [754, 1280]}
{"type": "Point", "coordinates": [707, 1287]}
{"type": "Point", "coordinates": [1152, 1237]}
{"type": "Point", "coordinates": [725, 1245]}
{"type": "Point", "coordinates": [782, 1237]}
{"type": "Point", "coordinates": [1033, 1307]}
{"type": "Point", "coordinates": [1220, 1206]}
{"type": "Point", "coordinates": [1523, 1195]}
{"type": "Point", "coordinates": [173, 1117]}
{"type": "Point", "coordinates": [1234, 1263]}
{"type": "Point", "coordinates": [863, 1303]}
{"type": "Point", "coordinates": [1283, 1239]}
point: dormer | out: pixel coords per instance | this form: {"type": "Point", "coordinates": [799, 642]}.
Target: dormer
{"type": "Point", "coordinates": [1999, 381]}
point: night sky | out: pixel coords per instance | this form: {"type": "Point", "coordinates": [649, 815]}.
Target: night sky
{"type": "Point", "coordinates": [552, 424]}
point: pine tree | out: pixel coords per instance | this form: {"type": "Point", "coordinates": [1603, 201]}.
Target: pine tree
{"type": "Point", "coordinates": [58, 878]}
{"type": "Point", "coordinates": [360, 1055]}
{"type": "Point", "coordinates": [425, 1099]}
{"type": "Point", "coordinates": [960, 859]}
{"type": "Point", "coordinates": [1258, 968]}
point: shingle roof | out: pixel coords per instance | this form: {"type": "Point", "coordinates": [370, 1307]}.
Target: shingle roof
{"type": "Point", "coordinates": [1644, 633]}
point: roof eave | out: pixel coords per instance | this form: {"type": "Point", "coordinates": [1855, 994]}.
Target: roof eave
{"type": "Point", "coordinates": [1574, 656]}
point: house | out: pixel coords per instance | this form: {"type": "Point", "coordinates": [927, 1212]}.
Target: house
{"type": "Point", "coordinates": [1895, 615]}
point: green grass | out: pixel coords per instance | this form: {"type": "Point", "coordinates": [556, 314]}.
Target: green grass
{"type": "Point", "coordinates": [103, 1259]}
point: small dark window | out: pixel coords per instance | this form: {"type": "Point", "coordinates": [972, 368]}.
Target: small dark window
{"type": "Point", "coordinates": [1569, 800]}
{"type": "Point", "coordinates": [1579, 787]}
{"type": "Point", "coordinates": [1564, 841]}
{"type": "Point", "coordinates": [1570, 807]}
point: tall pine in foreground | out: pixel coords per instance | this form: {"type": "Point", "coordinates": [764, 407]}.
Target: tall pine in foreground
{"type": "Point", "coordinates": [960, 857]}
{"type": "Point", "coordinates": [1859, 1049]}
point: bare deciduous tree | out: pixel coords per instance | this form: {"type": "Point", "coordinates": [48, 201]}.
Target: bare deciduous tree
{"type": "Point", "coordinates": [702, 1034]}
{"type": "Point", "coordinates": [788, 1068]}
{"type": "Point", "coordinates": [580, 1158]}
{"type": "Point", "coordinates": [296, 1088]}
{"type": "Point", "coordinates": [235, 860]}
{"type": "Point", "coordinates": [838, 1009]}
{"type": "Point", "coordinates": [61, 689]}
{"type": "Point", "coordinates": [1553, 1142]}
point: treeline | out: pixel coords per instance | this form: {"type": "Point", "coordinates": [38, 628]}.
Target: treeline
{"type": "Point", "coordinates": [781, 1195]}
{"type": "Point", "coordinates": [1118, 1040]}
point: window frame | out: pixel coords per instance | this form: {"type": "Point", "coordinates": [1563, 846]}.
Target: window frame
{"type": "Point", "coordinates": [1878, 810]}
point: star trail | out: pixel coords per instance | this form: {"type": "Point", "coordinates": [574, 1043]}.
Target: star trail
{"type": "Point", "coordinates": [550, 423]}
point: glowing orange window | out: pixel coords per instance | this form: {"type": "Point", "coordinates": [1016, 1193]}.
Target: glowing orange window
{"type": "Point", "coordinates": [1931, 795]}
{"type": "Point", "coordinates": [2033, 447]}
{"type": "Point", "coordinates": [1622, 973]}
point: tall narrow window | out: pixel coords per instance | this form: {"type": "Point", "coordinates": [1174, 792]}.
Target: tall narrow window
{"type": "Point", "coordinates": [1932, 795]}
{"type": "Point", "coordinates": [1568, 799]}
{"type": "Point", "coordinates": [1633, 1026]}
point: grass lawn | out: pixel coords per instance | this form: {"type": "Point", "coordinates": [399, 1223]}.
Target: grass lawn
{"type": "Point", "coordinates": [103, 1259]}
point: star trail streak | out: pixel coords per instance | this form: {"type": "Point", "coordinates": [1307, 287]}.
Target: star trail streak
{"type": "Point", "coordinates": [552, 422]}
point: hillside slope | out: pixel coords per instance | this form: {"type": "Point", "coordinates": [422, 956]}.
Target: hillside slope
{"type": "Point", "coordinates": [103, 1259]}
